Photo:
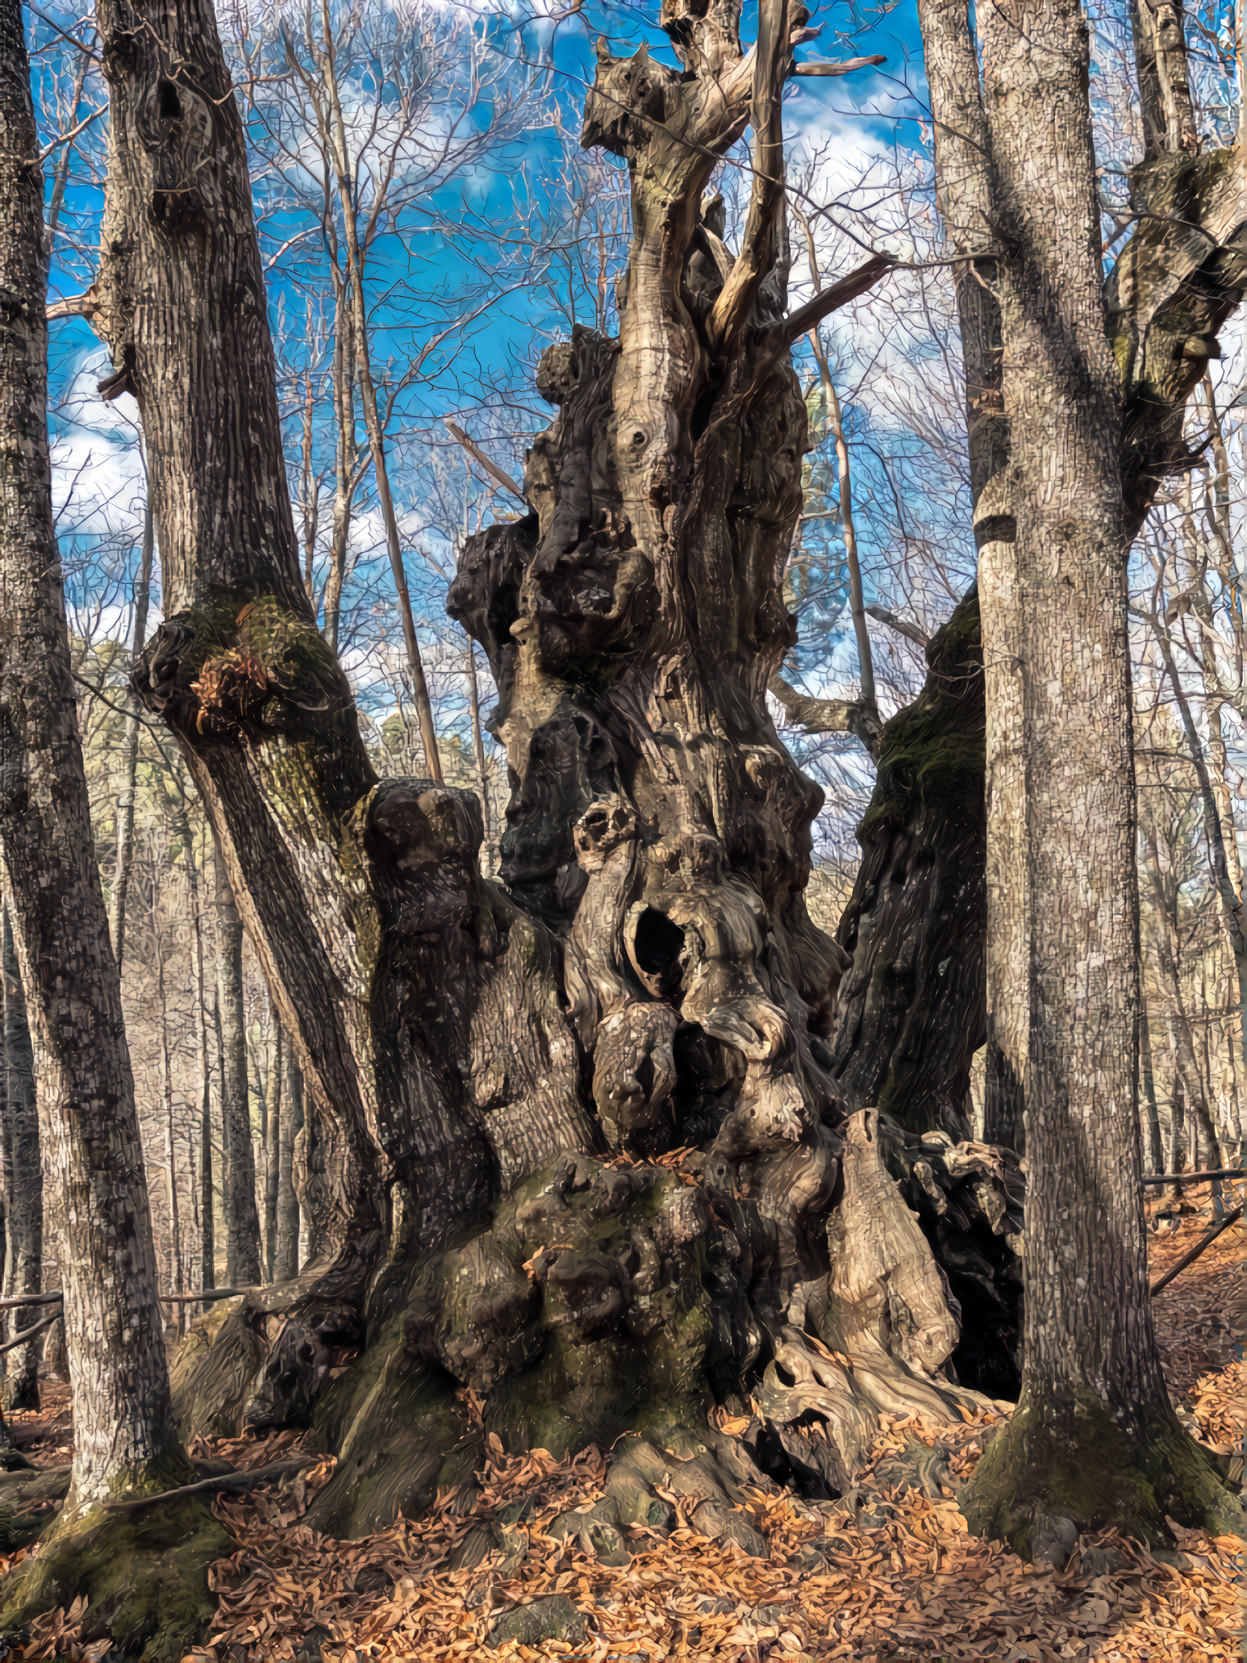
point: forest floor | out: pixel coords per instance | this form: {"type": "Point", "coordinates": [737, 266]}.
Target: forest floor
{"type": "Point", "coordinates": [889, 1576]}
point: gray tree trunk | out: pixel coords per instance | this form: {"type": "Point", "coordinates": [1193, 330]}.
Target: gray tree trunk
{"type": "Point", "coordinates": [23, 1184]}
{"type": "Point", "coordinates": [203, 1023]}
{"type": "Point", "coordinates": [286, 1254]}
{"type": "Point", "coordinates": [125, 1439]}
{"type": "Point", "coordinates": [1155, 1142]}
{"type": "Point", "coordinates": [964, 197]}
{"type": "Point", "coordinates": [274, 1112]}
{"type": "Point", "coordinates": [124, 861]}
{"type": "Point", "coordinates": [241, 1216]}
{"type": "Point", "coordinates": [1094, 1438]}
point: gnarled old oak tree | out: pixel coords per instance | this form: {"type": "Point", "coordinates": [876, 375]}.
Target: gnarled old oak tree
{"type": "Point", "coordinates": [577, 1138]}
{"type": "Point", "coordinates": [126, 1444]}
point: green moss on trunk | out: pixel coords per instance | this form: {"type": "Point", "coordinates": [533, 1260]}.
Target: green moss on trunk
{"type": "Point", "coordinates": [1062, 1467]}
{"type": "Point", "coordinates": [144, 1574]}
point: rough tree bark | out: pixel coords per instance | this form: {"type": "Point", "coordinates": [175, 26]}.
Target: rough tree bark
{"type": "Point", "coordinates": [176, 1284]}
{"type": "Point", "coordinates": [518, 1065]}
{"type": "Point", "coordinates": [203, 1018]}
{"type": "Point", "coordinates": [125, 1437]}
{"type": "Point", "coordinates": [23, 1183]}
{"type": "Point", "coordinates": [964, 201]}
{"type": "Point", "coordinates": [1094, 1438]}
{"type": "Point", "coordinates": [1178, 279]}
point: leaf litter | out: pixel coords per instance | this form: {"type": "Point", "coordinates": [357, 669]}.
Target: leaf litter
{"type": "Point", "coordinates": [884, 1576]}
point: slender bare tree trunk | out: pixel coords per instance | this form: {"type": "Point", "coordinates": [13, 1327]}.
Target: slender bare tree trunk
{"type": "Point", "coordinates": [241, 1216]}
{"type": "Point", "coordinates": [1228, 896]}
{"type": "Point", "coordinates": [23, 1183]}
{"type": "Point", "coordinates": [1094, 1438]}
{"type": "Point", "coordinates": [1169, 956]}
{"type": "Point", "coordinates": [1225, 798]}
{"type": "Point", "coordinates": [1155, 1142]}
{"type": "Point", "coordinates": [964, 197]}
{"type": "Point", "coordinates": [130, 751]}
{"type": "Point", "coordinates": [274, 1108]}
{"type": "Point", "coordinates": [1177, 1123]}
{"type": "Point", "coordinates": [309, 506]}
{"type": "Point", "coordinates": [207, 1218]}
{"type": "Point", "coordinates": [286, 1256]}
{"type": "Point", "coordinates": [345, 454]}
{"type": "Point", "coordinates": [125, 1439]}
{"type": "Point", "coordinates": [160, 869]}
{"type": "Point", "coordinates": [478, 746]}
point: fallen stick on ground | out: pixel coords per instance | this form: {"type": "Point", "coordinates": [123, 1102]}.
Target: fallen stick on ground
{"type": "Point", "coordinates": [1206, 1240]}
{"type": "Point", "coordinates": [1195, 1177]}
{"type": "Point", "coordinates": [221, 1481]}
{"type": "Point", "coordinates": [204, 1294]}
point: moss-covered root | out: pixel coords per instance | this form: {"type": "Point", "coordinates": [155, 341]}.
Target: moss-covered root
{"type": "Point", "coordinates": [144, 1576]}
{"type": "Point", "coordinates": [1054, 1471]}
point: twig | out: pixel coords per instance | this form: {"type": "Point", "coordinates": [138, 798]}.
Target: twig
{"type": "Point", "coordinates": [902, 626]}
{"type": "Point", "coordinates": [222, 1481]}
{"type": "Point", "coordinates": [491, 468]}
{"type": "Point", "coordinates": [1194, 1177]}
{"type": "Point", "coordinates": [845, 66]}
{"type": "Point", "coordinates": [207, 1295]}
{"type": "Point", "coordinates": [29, 1333]}
{"type": "Point", "coordinates": [1204, 1241]}
{"type": "Point", "coordinates": [75, 306]}
{"type": "Point", "coordinates": [839, 294]}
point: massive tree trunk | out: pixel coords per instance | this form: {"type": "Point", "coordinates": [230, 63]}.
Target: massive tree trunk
{"type": "Point", "coordinates": [518, 1065]}
{"type": "Point", "coordinates": [23, 1183]}
{"type": "Point", "coordinates": [125, 1437]}
{"type": "Point", "coordinates": [1094, 1439]}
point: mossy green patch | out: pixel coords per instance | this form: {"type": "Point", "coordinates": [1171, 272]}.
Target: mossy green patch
{"type": "Point", "coordinates": [143, 1573]}
{"type": "Point", "coordinates": [1074, 1460]}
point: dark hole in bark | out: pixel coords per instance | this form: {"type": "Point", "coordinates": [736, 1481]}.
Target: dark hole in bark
{"type": "Point", "coordinates": [658, 942]}
{"type": "Point", "coordinates": [799, 1455]}
{"type": "Point", "coordinates": [168, 104]}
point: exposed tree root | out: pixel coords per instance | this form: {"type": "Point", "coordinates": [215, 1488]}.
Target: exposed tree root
{"type": "Point", "coordinates": [143, 1576]}
{"type": "Point", "coordinates": [1056, 1470]}
{"type": "Point", "coordinates": [613, 1304]}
